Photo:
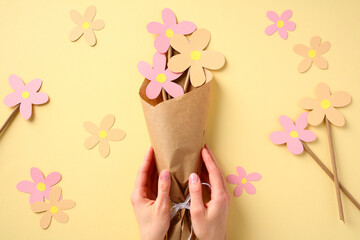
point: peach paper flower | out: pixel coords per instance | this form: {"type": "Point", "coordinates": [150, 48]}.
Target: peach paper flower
{"type": "Point", "coordinates": [281, 24]}
{"type": "Point", "coordinates": [312, 54]}
{"type": "Point", "coordinates": [53, 209]}
{"type": "Point", "coordinates": [101, 135]}
{"type": "Point", "coordinates": [193, 56]}
{"type": "Point", "coordinates": [85, 25]}
{"type": "Point", "coordinates": [325, 105]}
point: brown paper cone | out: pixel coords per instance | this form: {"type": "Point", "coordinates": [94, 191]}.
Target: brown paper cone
{"type": "Point", "coordinates": [176, 129]}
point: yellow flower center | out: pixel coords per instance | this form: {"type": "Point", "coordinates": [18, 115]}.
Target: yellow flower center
{"type": "Point", "coordinates": [25, 95]}
{"type": "Point", "coordinates": [41, 187]}
{"type": "Point", "coordinates": [161, 78]}
{"type": "Point", "coordinates": [195, 55]}
{"type": "Point", "coordinates": [280, 24]}
{"type": "Point", "coordinates": [312, 53]}
{"type": "Point", "coordinates": [102, 134]}
{"type": "Point", "coordinates": [169, 33]}
{"type": "Point", "coordinates": [294, 134]}
{"type": "Point", "coordinates": [54, 210]}
{"type": "Point", "coordinates": [243, 181]}
{"type": "Point", "coordinates": [86, 25]}
{"type": "Point", "coordinates": [325, 104]}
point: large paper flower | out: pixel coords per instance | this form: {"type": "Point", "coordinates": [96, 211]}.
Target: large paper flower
{"type": "Point", "coordinates": [102, 135]}
{"type": "Point", "coordinates": [160, 77]}
{"type": "Point", "coordinates": [312, 54]}
{"type": "Point", "coordinates": [243, 180]}
{"type": "Point", "coordinates": [281, 24]}
{"type": "Point", "coordinates": [25, 95]}
{"type": "Point", "coordinates": [53, 209]}
{"type": "Point", "coordinates": [85, 25]}
{"type": "Point", "coordinates": [325, 104]}
{"type": "Point", "coordinates": [167, 30]}
{"type": "Point", "coordinates": [41, 186]}
{"type": "Point", "coordinates": [293, 134]}
{"type": "Point", "coordinates": [193, 56]}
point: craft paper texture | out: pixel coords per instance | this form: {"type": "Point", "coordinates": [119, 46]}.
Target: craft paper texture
{"type": "Point", "coordinates": [294, 200]}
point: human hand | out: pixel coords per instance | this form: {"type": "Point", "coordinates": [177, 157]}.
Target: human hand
{"type": "Point", "coordinates": [209, 220]}
{"type": "Point", "coordinates": [150, 200]}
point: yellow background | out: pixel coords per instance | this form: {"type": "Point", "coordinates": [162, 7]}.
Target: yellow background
{"type": "Point", "coordinates": [294, 200]}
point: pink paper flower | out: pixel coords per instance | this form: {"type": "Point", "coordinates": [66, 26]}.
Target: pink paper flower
{"type": "Point", "coordinates": [41, 186]}
{"type": "Point", "coordinates": [25, 95]}
{"type": "Point", "coordinates": [159, 77]}
{"type": "Point", "coordinates": [281, 24]}
{"type": "Point", "coordinates": [168, 29]}
{"type": "Point", "coordinates": [243, 181]}
{"type": "Point", "coordinates": [293, 134]}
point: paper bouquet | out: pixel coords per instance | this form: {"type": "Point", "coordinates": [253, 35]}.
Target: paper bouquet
{"type": "Point", "coordinates": [175, 100]}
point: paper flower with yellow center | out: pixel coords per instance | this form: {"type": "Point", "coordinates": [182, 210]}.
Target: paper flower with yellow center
{"type": "Point", "coordinates": [325, 104]}
{"type": "Point", "coordinates": [85, 25]}
{"type": "Point", "coordinates": [101, 135]}
{"type": "Point", "coordinates": [53, 209]}
{"type": "Point", "coordinates": [280, 24]}
{"type": "Point", "coordinates": [312, 54]}
{"type": "Point", "coordinates": [243, 181]}
{"type": "Point", "coordinates": [192, 56]}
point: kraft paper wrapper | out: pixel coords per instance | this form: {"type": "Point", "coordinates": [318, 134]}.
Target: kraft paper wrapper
{"type": "Point", "coordinates": [176, 129]}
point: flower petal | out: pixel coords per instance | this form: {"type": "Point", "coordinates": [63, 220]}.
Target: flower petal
{"type": "Point", "coordinates": [34, 85]}
{"type": "Point", "coordinates": [55, 194]}
{"type": "Point", "coordinates": [13, 99]}
{"type": "Point", "coordinates": [168, 17]}
{"type": "Point", "coordinates": [233, 179]}
{"type": "Point", "coordinates": [36, 196]}
{"type": "Point", "coordinates": [171, 76]}
{"type": "Point", "coordinates": [279, 137]}
{"type": "Point", "coordinates": [307, 136]}
{"type": "Point", "coordinates": [66, 204]}
{"type": "Point", "coordinates": [315, 42]}
{"type": "Point", "coordinates": [322, 91]}
{"type": "Point", "coordinates": [97, 25]}
{"type": "Point", "coordinates": [212, 59]}
{"type": "Point", "coordinates": [26, 109]}
{"type": "Point", "coordinates": [273, 16]}
{"type": "Point", "coordinates": [61, 217]}
{"type": "Point", "coordinates": [107, 122]}
{"type": "Point", "coordinates": [320, 62]}
{"type": "Point", "coordinates": [197, 75]}
{"type": "Point", "coordinates": [155, 28]}
{"type": "Point", "coordinates": [323, 48]}
{"type": "Point", "coordinates": [305, 64]}
{"type": "Point", "coordinates": [91, 141]}
{"type": "Point", "coordinates": [290, 26]}
{"type": "Point", "coordinates": [16, 83]}
{"type": "Point", "coordinates": [39, 98]}
{"type": "Point", "coordinates": [76, 33]}
{"type": "Point", "coordinates": [90, 37]}
{"type": "Point", "coordinates": [301, 122]}
{"type": "Point", "coordinates": [241, 172]}
{"type": "Point", "coordinates": [180, 43]}
{"type": "Point", "coordinates": [159, 62]}
{"type": "Point", "coordinates": [26, 186]}
{"type": "Point", "coordinates": [89, 14]}
{"type": "Point", "coordinates": [316, 116]}
{"type": "Point", "coordinates": [40, 206]}
{"type": "Point", "coordinates": [45, 220]}
{"type": "Point", "coordinates": [283, 33]}
{"type": "Point", "coordinates": [179, 63]}
{"type": "Point", "coordinates": [309, 103]}
{"type": "Point", "coordinates": [295, 146]}
{"type": "Point", "coordinates": [301, 50]}
{"type": "Point", "coordinates": [249, 188]}
{"type": "Point", "coordinates": [238, 190]}
{"type": "Point", "coordinates": [91, 128]}
{"type": "Point", "coordinates": [286, 15]}
{"type": "Point", "coordinates": [185, 27]}
{"type": "Point", "coordinates": [269, 30]}
{"type": "Point", "coordinates": [335, 117]}
{"type": "Point", "coordinates": [76, 17]}
{"type": "Point", "coordinates": [116, 135]}
{"type": "Point", "coordinates": [173, 89]}
{"type": "Point", "coordinates": [162, 44]}
{"type": "Point", "coordinates": [287, 123]}
{"type": "Point", "coordinates": [153, 89]}
{"type": "Point", "coordinates": [36, 175]}
{"type": "Point", "coordinates": [340, 99]}
{"type": "Point", "coordinates": [200, 39]}
{"type": "Point", "coordinates": [254, 176]}
{"type": "Point", "coordinates": [146, 70]}
{"type": "Point", "coordinates": [104, 148]}
{"type": "Point", "coordinates": [52, 179]}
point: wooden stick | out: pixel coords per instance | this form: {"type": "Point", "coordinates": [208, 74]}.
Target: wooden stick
{"type": "Point", "coordinates": [169, 54]}
{"type": "Point", "coordinates": [333, 163]}
{"type": "Point", "coordinates": [328, 172]}
{"type": "Point", "coordinates": [164, 95]}
{"type": "Point", "coordinates": [187, 81]}
{"type": "Point", "coordinates": [7, 121]}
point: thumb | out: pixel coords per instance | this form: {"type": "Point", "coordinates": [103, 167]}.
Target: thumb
{"type": "Point", "coordinates": [164, 183]}
{"type": "Point", "coordinates": [196, 204]}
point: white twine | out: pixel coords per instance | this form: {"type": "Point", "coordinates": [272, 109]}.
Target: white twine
{"type": "Point", "coordinates": [183, 205]}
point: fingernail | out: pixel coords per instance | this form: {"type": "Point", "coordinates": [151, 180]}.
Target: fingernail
{"type": "Point", "coordinates": [165, 175]}
{"type": "Point", "coordinates": [194, 178]}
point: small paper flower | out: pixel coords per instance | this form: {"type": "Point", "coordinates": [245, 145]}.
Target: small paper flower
{"type": "Point", "coordinates": [103, 134]}
{"type": "Point", "coordinates": [243, 181]}
{"type": "Point", "coordinates": [85, 25]}
{"type": "Point", "coordinates": [193, 56]}
{"type": "Point", "coordinates": [325, 104]}
{"type": "Point", "coordinates": [281, 24]}
{"type": "Point", "coordinates": [53, 209]}
{"type": "Point", "coordinates": [293, 134]}
{"type": "Point", "coordinates": [160, 77]}
{"type": "Point", "coordinates": [312, 54]}
{"type": "Point", "coordinates": [25, 95]}
{"type": "Point", "coordinates": [41, 186]}
{"type": "Point", "coordinates": [167, 30]}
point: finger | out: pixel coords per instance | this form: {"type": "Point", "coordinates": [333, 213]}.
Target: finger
{"type": "Point", "coordinates": [214, 173]}
{"type": "Point", "coordinates": [217, 164]}
{"type": "Point", "coordinates": [196, 205]}
{"type": "Point", "coordinates": [162, 200]}
{"type": "Point", "coordinates": [141, 180]}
